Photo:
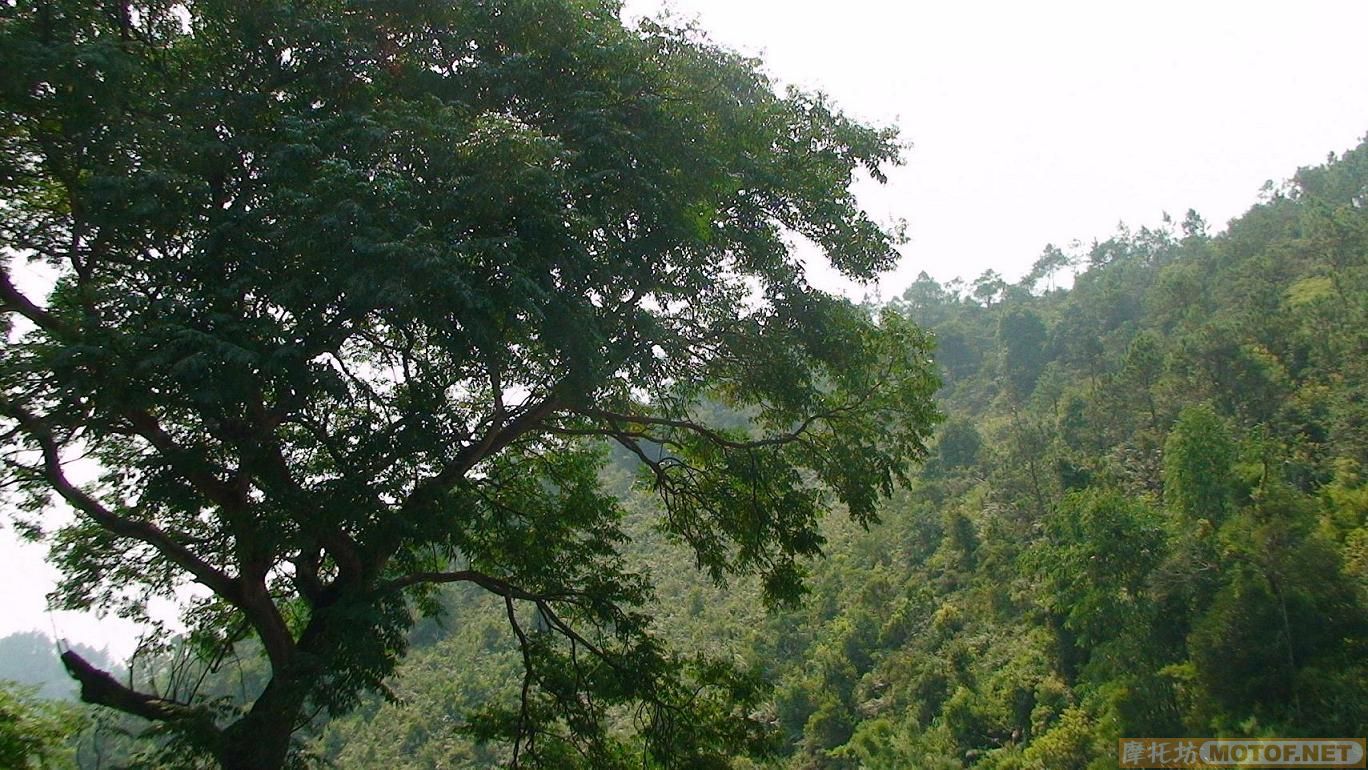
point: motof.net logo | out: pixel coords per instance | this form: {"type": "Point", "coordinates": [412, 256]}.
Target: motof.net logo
{"type": "Point", "coordinates": [1220, 752]}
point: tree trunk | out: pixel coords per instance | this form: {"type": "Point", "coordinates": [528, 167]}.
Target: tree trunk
{"type": "Point", "coordinates": [261, 739]}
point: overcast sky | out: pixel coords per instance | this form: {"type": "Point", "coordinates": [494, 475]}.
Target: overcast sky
{"type": "Point", "coordinates": [1031, 123]}
{"type": "Point", "coordinates": [1045, 122]}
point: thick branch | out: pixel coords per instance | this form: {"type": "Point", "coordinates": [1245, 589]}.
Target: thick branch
{"type": "Point", "coordinates": [499, 436]}
{"type": "Point", "coordinates": [145, 425]}
{"type": "Point", "coordinates": [339, 544]}
{"type": "Point", "coordinates": [99, 688]}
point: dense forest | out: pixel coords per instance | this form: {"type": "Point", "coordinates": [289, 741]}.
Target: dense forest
{"type": "Point", "coordinates": [1145, 514]}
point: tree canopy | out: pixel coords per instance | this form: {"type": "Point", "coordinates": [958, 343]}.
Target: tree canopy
{"type": "Point", "coordinates": [348, 300]}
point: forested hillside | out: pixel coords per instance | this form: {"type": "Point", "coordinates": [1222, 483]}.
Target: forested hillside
{"type": "Point", "coordinates": [1144, 516]}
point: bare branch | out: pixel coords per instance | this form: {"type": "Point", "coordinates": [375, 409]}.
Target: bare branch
{"type": "Point", "coordinates": [509, 592]}
{"type": "Point", "coordinates": [524, 698]}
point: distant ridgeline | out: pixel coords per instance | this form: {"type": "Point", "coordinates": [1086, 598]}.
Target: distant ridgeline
{"type": "Point", "coordinates": [29, 659]}
{"type": "Point", "coordinates": [1145, 516]}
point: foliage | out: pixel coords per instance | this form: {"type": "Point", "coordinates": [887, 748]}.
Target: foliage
{"type": "Point", "coordinates": [33, 732]}
{"type": "Point", "coordinates": [1199, 461]}
{"type": "Point", "coordinates": [349, 298]}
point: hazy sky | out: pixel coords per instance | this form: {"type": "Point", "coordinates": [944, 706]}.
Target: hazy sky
{"type": "Point", "coordinates": [1031, 123]}
{"type": "Point", "coordinates": [1039, 122]}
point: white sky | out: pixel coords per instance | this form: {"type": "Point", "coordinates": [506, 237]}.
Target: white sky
{"type": "Point", "coordinates": [1032, 122]}
{"type": "Point", "coordinates": [1043, 121]}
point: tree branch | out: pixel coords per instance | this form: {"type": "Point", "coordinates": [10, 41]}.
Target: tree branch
{"type": "Point", "coordinates": [509, 592]}
{"type": "Point", "coordinates": [101, 689]}
{"type": "Point", "coordinates": [143, 531]}
{"type": "Point", "coordinates": [12, 300]}
{"type": "Point", "coordinates": [524, 699]}
{"type": "Point", "coordinates": [145, 425]}
{"type": "Point", "coordinates": [703, 430]}
{"type": "Point", "coordinates": [487, 582]}
{"type": "Point", "coordinates": [498, 436]}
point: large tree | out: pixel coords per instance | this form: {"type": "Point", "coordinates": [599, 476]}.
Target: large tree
{"type": "Point", "coordinates": [349, 298]}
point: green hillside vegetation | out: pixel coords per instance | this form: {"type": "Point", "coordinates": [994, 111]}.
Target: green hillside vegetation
{"type": "Point", "coordinates": [35, 731]}
{"type": "Point", "coordinates": [1144, 516]}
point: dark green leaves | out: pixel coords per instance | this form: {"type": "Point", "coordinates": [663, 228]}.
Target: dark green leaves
{"type": "Point", "coordinates": [351, 295]}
